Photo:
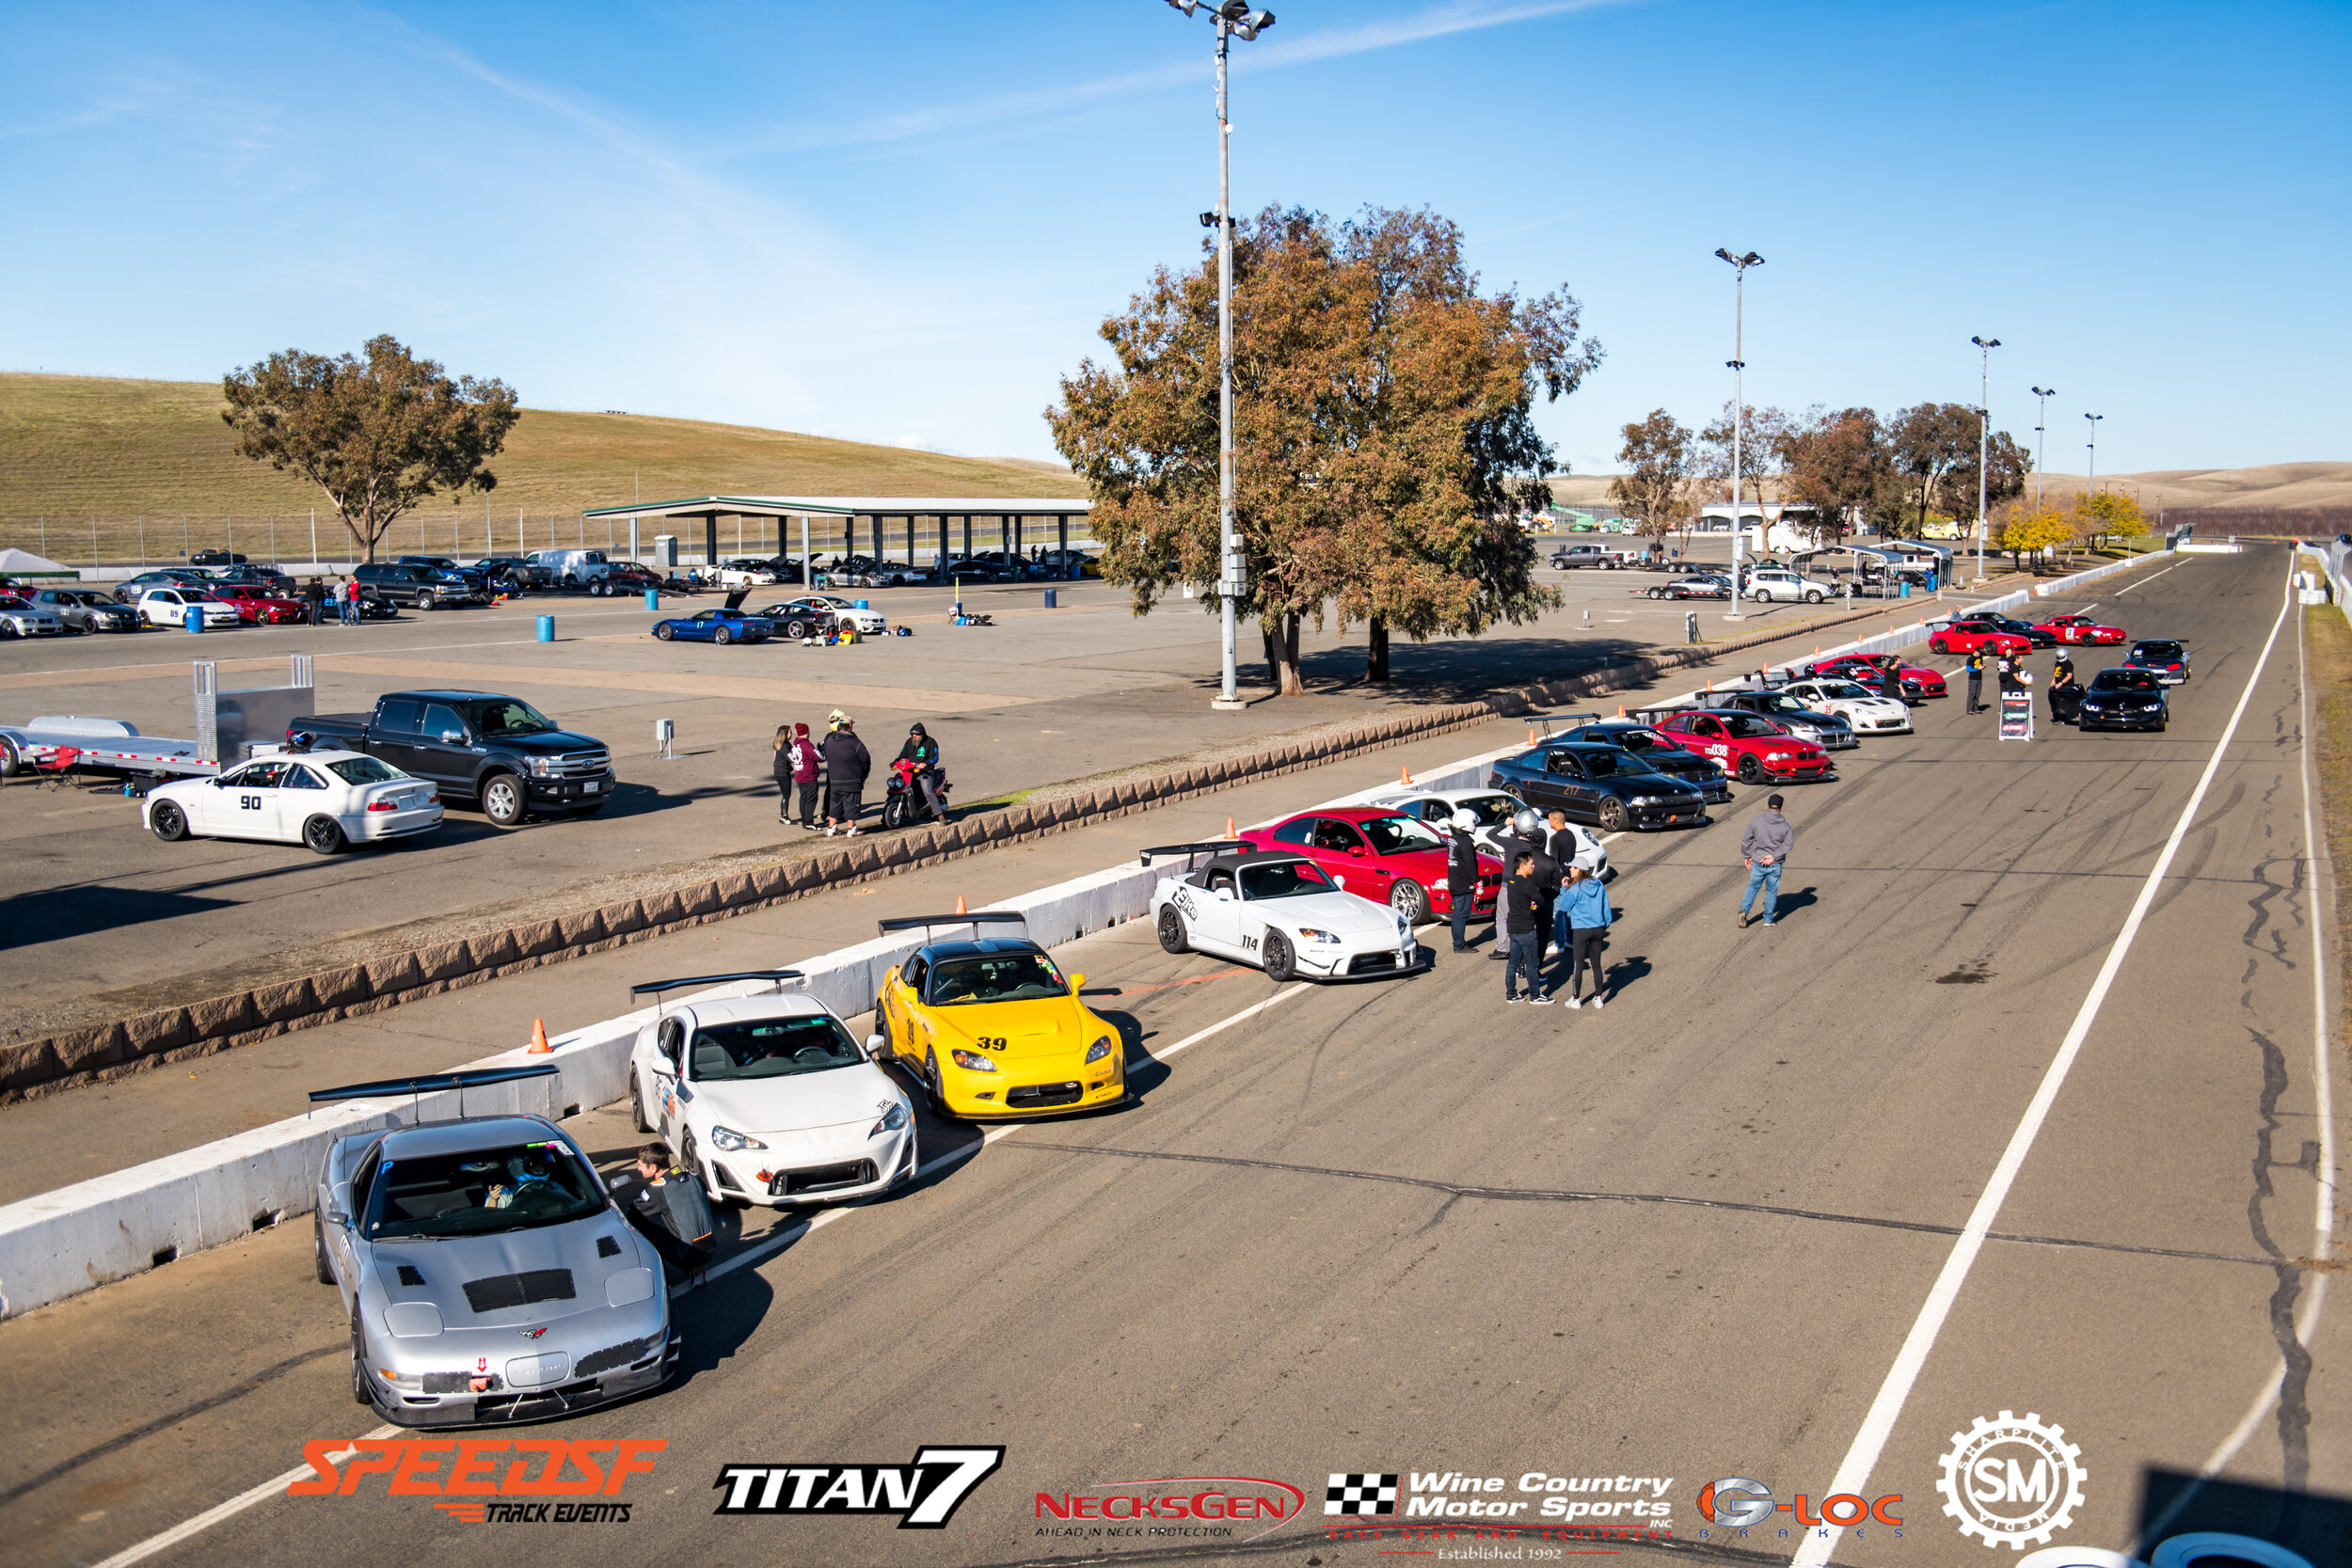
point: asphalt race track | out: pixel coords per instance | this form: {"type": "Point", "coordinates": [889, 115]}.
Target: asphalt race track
{"type": "Point", "coordinates": [1401, 1228]}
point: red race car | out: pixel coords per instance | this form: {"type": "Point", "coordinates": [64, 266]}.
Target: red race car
{"type": "Point", "coordinates": [1743, 744]}
{"type": "Point", "coordinates": [1967, 637]}
{"type": "Point", "coordinates": [257, 607]}
{"type": "Point", "coordinates": [1919, 684]}
{"type": "Point", "coordinates": [2080, 628]}
{"type": "Point", "coordinates": [1381, 854]}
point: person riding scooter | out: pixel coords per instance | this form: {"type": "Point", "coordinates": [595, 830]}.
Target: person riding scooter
{"type": "Point", "coordinates": [923, 753]}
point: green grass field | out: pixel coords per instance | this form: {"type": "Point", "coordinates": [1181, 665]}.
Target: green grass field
{"type": "Point", "coordinates": [142, 456]}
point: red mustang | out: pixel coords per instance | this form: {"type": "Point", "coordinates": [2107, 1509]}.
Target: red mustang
{"type": "Point", "coordinates": [1967, 637]}
{"type": "Point", "coordinates": [1383, 855]}
{"type": "Point", "coordinates": [1919, 684]}
{"type": "Point", "coordinates": [2080, 628]}
{"type": "Point", "coordinates": [256, 606]}
{"type": "Point", "coordinates": [1755, 747]}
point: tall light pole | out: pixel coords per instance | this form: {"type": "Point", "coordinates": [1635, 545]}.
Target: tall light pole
{"type": "Point", "coordinates": [1231, 16]}
{"type": "Point", "coordinates": [2041, 416]}
{"type": "Point", "coordinates": [1739, 265]}
{"type": "Point", "coordinates": [1984, 434]}
{"type": "Point", "coordinates": [2093, 443]}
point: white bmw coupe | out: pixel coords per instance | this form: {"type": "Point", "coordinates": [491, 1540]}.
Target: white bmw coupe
{"type": "Point", "coordinates": [325, 801]}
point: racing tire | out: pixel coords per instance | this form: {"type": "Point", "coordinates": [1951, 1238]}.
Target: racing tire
{"type": "Point", "coordinates": [169, 821]}
{"type": "Point", "coordinates": [889, 1052]}
{"type": "Point", "coordinates": [1279, 965]}
{"type": "Point", "coordinates": [1750, 770]}
{"type": "Point", "coordinates": [1171, 928]}
{"type": "Point", "coordinates": [10, 764]}
{"type": "Point", "coordinates": [637, 1103]}
{"type": "Point", "coordinates": [318, 1250]}
{"type": "Point", "coordinates": [324, 835]}
{"type": "Point", "coordinates": [1612, 816]}
{"type": "Point", "coordinates": [360, 1393]}
{"type": "Point", "coordinates": [503, 800]}
{"type": "Point", "coordinates": [661, 629]}
{"type": "Point", "coordinates": [1409, 899]}
{"type": "Point", "coordinates": [1936, 646]}
{"type": "Point", "coordinates": [722, 636]}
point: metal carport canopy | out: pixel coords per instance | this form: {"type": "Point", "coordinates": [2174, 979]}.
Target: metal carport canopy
{"type": "Point", "coordinates": [711, 508]}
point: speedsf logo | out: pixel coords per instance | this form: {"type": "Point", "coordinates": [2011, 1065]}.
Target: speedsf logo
{"type": "Point", "coordinates": [483, 1479]}
{"type": "Point", "coordinates": [1629, 1501]}
{"type": "Point", "coordinates": [924, 1495]}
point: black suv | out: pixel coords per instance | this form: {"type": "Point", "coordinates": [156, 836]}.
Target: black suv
{"type": "Point", "coordinates": [424, 587]}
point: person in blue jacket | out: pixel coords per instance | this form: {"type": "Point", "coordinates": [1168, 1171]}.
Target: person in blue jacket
{"type": "Point", "coordinates": [1584, 905]}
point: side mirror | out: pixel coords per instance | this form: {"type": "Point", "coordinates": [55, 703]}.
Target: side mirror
{"type": "Point", "coordinates": [1224, 895]}
{"type": "Point", "coordinates": [874, 1043]}
{"type": "Point", "coordinates": [336, 1216]}
{"type": "Point", "coordinates": [1356, 850]}
{"type": "Point", "coordinates": [452, 737]}
{"type": "Point", "coordinates": [1076, 982]}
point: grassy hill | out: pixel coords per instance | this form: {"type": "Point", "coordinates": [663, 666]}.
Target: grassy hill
{"type": "Point", "coordinates": [70, 446]}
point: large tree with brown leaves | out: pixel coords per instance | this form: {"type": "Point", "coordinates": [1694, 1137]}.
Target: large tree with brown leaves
{"type": "Point", "coordinates": [1383, 431]}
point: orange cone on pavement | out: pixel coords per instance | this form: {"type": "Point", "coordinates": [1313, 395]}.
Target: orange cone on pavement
{"type": "Point", "coordinates": [960, 909]}
{"type": "Point", "coordinates": [1620, 711]}
{"type": "Point", "coordinates": [1404, 777]}
{"type": "Point", "coordinates": [1230, 831]}
{"type": "Point", "coordinates": [539, 1045]}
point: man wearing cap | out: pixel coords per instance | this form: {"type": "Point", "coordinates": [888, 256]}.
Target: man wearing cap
{"type": "Point", "coordinates": [1461, 875]}
{"type": "Point", "coordinates": [1766, 847]}
{"type": "Point", "coordinates": [846, 767]}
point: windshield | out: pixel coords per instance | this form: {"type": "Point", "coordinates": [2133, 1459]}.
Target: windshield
{"type": "Point", "coordinates": [1492, 810]}
{"type": "Point", "coordinates": [1780, 702]}
{"type": "Point", "coordinates": [511, 716]}
{"type": "Point", "coordinates": [2125, 680]}
{"type": "Point", "coordinates": [771, 1048]}
{"type": "Point", "coordinates": [1287, 879]}
{"type": "Point", "coordinates": [482, 1191]}
{"type": "Point", "coordinates": [998, 978]}
{"type": "Point", "coordinates": [1636, 740]}
{"type": "Point", "coordinates": [1391, 835]}
{"type": "Point", "coordinates": [1843, 690]}
{"type": "Point", "coordinates": [2166, 652]}
{"type": "Point", "coordinates": [363, 771]}
{"type": "Point", "coordinates": [1748, 727]}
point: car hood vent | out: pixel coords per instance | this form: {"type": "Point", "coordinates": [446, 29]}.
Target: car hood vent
{"type": "Point", "coordinates": [408, 1275]}
{"type": "Point", "coordinates": [502, 1290]}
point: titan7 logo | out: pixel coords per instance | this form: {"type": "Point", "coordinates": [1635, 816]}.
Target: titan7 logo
{"type": "Point", "coordinates": [924, 1495]}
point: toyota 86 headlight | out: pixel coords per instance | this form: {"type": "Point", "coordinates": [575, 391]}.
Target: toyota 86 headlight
{"type": "Point", "coordinates": [729, 1139]}
{"type": "Point", "coordinates": [894, 1117]}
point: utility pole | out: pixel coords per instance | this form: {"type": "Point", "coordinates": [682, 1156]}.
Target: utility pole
{"type": "Point", "coordinates": [1984, 434]}
{"type": "Point", "coordinates": [2041, 416]}
{"type": "Point", "coordinates": [2093, 443]}
{"type": "Point", "coordinates": [1739, 265]}
{"type": "Point", "coordinates": [1231, 16]}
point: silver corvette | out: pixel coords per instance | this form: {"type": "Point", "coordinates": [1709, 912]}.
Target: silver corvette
{"type": "Point", "coordinates": [488, 1275]}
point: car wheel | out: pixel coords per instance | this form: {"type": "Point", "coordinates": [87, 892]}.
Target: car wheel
{"type": "Point", "coordinates": [2160, 723]}
{"type": "Point", "coordinates": [796, 629]}
{"type": "Point", "coordinates": [1750, 770]}
{"type": "Point", "coordinates": [689, 1158]}
{"type": "Point", "coordinates": [722, 636]}
{"type": "Point", "coordinates": [1279, 965]}
{"type": "Point", "coordinates": [322, 836]}
{"type": "Point", "coordinates": [1172, 938]}
{"type": "Point", "coordinates": [637, 1103]}
{"type": "Point", "coordinates": [1657, 592]}
{"type": "Point", "coordinates": [1936, 646]}
{"type": "Point", "coordinates": [1813, 599]}
{"type": "Point", "coordinates": [318, 1250]}
{"type": "Point", "coordinates": [1409, 899]}
{"type": "Point", "coordinates": [360, 1393]}
{"type": "Point", "coordinates": [931, 1088]}
{"type": "Point", "coordinates": [10, 764]}
{"type": "Point", "coordinates": [661, 629]}
{"type": "Point", "coordinates": [169, 821]}
{"type": "Point", "coordinates": [1613, 817]}
{"type": "Point", "coordinates": [502, 799]}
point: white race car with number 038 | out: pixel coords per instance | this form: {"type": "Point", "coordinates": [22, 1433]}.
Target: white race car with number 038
{"type": "Point", "coordinates": [1281, 912]}
{"type": "Point", "coordinates": [768, 1099]}
{"type": "Point", "coordinates": [327, 800]}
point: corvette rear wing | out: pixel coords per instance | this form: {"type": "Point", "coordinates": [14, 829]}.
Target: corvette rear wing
{"type": "Point", "coordinates": [925, 921]}
{"type": "Point", "coordinates": [1190, 851]}
{"type": "Point", "coordinates": [432, 1083]}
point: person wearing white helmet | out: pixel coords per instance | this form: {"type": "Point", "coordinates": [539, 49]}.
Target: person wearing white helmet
{"type": "Point", "coordinates": [1461, 874]}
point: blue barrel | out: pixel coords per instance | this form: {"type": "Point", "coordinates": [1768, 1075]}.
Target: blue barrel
{"type": "Point", "coordinates": [1906, 588]}
{"type": "Point", "coordinates": [193, 618]}
{"type": "Point", "coordinates": [653, 599]}
{"type": "Point", "coordinates": [547, 628]}
{"type": "Point", "coordinates": [861, 604]}
{"type": "Point", "coordinates": [1050, 599]}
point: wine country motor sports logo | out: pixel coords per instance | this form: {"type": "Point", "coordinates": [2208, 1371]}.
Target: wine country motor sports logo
{"type": "Point", "coordinates": [1359, 1493]}
{"type": "Point", "coordinates": [1637, 1503]}
{"type": "Point", "coordinates": [487, 1480]}
{"type": "Point", "coordinates": [2012, 1482]}
{"type": "Point", "coordinates": [924, 1495]}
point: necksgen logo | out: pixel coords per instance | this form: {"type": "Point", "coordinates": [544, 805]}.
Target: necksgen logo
{"type": "Point", "coordinates": [1736, 1502]}
{"type": "Point", "coordinates": [1189, 1498]}
{"type": "Point", "coordinates": [924, 1495]}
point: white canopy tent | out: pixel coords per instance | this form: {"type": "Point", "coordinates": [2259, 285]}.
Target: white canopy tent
{"type": "Point", "coordinates": [25, 563]}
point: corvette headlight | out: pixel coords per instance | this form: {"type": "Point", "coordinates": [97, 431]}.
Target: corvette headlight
{"type": "Point", "coordinates": [972, 1061]}
{"type": "Point", "coordinates": [729, 1139]}
{"type": "Point", "coordinates": [894, 1115]}
{"type": "Point", "coordinates": [414, 1380]}
{"type": "Point", "coordinates": [1099, 1050]}
{"type": "Point", "coordinates": [1307, 933]}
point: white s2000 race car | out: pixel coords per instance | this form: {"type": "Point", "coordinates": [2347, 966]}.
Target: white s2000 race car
{"type": "Point", "coordinates": [1281, 912]}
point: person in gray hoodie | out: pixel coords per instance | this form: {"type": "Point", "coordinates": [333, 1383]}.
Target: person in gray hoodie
{"type": "Point", "coordinates": [1766, 846]}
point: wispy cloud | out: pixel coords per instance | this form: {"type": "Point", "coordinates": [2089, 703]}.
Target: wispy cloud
{"type": "Point", "coordinates": [1463, 16]}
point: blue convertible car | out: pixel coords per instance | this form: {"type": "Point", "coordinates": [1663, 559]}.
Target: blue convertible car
{"type": "Point", "coordinates": [716, 625]}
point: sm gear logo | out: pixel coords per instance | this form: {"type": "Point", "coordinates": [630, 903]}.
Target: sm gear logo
{"type": "Point", "coordinates": [1738, 1502]}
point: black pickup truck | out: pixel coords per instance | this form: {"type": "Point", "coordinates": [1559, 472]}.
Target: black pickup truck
{"type": "Point", "coordinates": [499, 753]}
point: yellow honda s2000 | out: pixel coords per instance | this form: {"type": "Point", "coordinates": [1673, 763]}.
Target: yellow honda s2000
{"type": "Point", "coordinates": [994, 1030]}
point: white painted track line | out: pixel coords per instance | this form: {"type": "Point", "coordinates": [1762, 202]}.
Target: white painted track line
{"type": "Point", "coordinates": [1877, 1426]}
{"type": "Point", "coordinates": [274, 1487]}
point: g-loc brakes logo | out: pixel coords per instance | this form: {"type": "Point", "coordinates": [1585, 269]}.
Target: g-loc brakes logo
{"type": "Point", "coordinates": [1988, 1489]}
{"type": "Point", "coordinates": [1737, 1502]}
{"type": "Point", "coordinates": [925, 1494]}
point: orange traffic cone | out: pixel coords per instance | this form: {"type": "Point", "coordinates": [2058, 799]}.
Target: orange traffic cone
{"type": "Point", "coordinates": [1231, 832]}
{"type": "Point", "coordinates": [1530, 734]}
{"type": "Point", "coordinates": [960, 909]}
{"type": "Point", "coordinates": [539, 1045]}
{"type": "Point", "coordinates": [1404, 777]}
{"type": "Point", "coordinates": [1711, 685]}
{"type": "Point", "coordinates": [1620, 711]}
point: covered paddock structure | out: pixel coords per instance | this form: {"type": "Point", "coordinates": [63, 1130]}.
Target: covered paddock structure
{"type": "Point", "coordinates": [806, 526]}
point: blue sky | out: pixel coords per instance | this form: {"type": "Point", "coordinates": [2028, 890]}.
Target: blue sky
{"type": "Point", "coordinates": [901, 222]}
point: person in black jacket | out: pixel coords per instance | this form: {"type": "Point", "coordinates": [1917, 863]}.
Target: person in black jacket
{"type": "Point", "coordinates": [780, 763]}
{"type": "Point", "coordinates": [1461, 875]}
{"type": "Point", "coordinates": [1521, 897]}
{"type": "Point", "coordinates": [846, 767]}
{"type": "Point", "coordinates": [922, 750]}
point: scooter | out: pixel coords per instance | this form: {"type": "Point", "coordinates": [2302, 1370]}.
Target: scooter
{"type": "Point", "coordinates": [904, 806]}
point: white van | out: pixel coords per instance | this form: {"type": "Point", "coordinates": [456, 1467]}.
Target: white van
{"type": "Point", "coordinates": [571, 568]}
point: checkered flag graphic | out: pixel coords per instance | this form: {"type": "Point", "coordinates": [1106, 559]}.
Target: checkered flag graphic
{"type": "Point", "coordinates": [1361, 1494]}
